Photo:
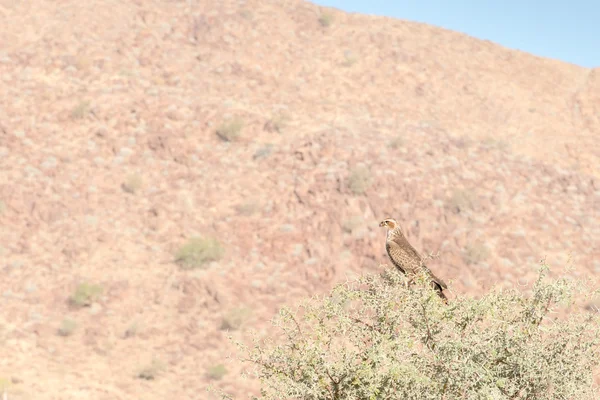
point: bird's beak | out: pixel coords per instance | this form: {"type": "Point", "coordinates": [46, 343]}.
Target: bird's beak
{"type": "Point", "coordinates": [382, 223]}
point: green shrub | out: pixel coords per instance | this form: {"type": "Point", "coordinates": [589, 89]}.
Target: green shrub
{"type": "Point", "coordinates": [5, 383]}
{"type": "Point", "coordinates": [216, 372]}
{"type": "Point", "coordinates": [375, 338]}
{"type": "Point", "coordinates": [230, 130]}
{"type": "Point", "coordinates": [326, 20]}
{"type": "Point", "coordinates": [198, 251]}
{"type": "Point", "coordinates": [359, 180]}
{"type": "Point", "coordinates": [248, 207]}
{"type": "Point", "coordinates": [131, 330]}
{"type": "Point", "coordinates": [85, 294]}
{"type": "Point", "coordinates": [495, 143]}
{"type": "Point", "coordinates": [397, 142]}
{"type": "Point", "coordinates": [132, 184]}
{"type": "Point", "coordinates": [246, 14]}
{"type": "Point", "coordinates": [352, 223]}
{"type": "Point", "coordinates": [67, 327]}
{"type": "Point", "coordinates": [277, 123]}
{"type": "Point", "coordinates": [81, 110]}
{"type": "Point", "coordinates": [350, 58]}
{"type": "Point", "coordinates": [475, 253]}
{"type": "Point", "coordinates": [461, 201]}
{"type": "Point", "coordinates": [151, 371]}
{"type": "Point", "coordinates": [263, 152]}
{"type": "Point", "coordinates": [235, 318]}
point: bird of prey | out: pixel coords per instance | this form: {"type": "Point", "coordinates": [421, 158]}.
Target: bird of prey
{"type": "Point", "coordinates": [406, 258]}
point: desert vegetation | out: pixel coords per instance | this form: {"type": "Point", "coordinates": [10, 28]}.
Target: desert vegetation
{"type": "Point", "coordinates": [396, 142]}
{"type": "Point", "coordinates": [132, 184]}
{"type": "Point", "coordinates": [81, 110]}
{"type": "Point", "coordinates": [326, 19]}
{"type": "Point", "coordinates": [475, 253]}
{"type": "Point", "coordinates": [67, 327]}
{"type": "Point", "coordinates": [230, 130]}
{"type": "Point", "coordinates": [277, 123]}
{"type": "Point", "coordinates": [359, 180]}
{"type": "Point", "coordinates": [376, 338]}
{"type": "Point", "coordinates": [85, 294]}
{"type": "Point", "coordinates": [216, 372]}
{"type": "Point", "coordinates": [151, 371]}
{"type": "Point", "coordinates": [235, 318]}
{"type": "Point", "coordinates": [462, 201]}
{"type": "Point", "coordinates": [198, 251]}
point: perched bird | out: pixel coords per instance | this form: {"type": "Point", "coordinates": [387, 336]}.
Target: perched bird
{"type": "Point", "coordinates": [406, 258]}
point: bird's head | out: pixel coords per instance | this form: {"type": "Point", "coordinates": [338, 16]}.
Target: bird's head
{"type": "Point", "coordinates": [389, 222]}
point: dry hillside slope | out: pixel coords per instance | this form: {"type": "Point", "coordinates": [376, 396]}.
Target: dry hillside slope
{"type": "Point", "coordinates": [110, 161]}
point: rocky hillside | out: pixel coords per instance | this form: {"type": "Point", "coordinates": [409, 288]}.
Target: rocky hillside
{"type": "Point", "coordinates": [280, 133]}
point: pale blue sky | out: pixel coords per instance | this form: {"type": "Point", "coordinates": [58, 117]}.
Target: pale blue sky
{"type": "Point", "coordinates": [563, 30]}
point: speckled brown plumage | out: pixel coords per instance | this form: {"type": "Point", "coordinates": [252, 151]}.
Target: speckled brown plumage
{"type": "Point", "coordinates": [406, 258]}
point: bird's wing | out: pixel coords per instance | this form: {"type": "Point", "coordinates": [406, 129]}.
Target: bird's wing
{"type": "Point", "coordinates": [404, 250]}
{"type": "Point", "coordinates": [389, 247]}
{"type": "Point", "coordinates": [435, 278]}
{"type": "Point", "coordinates": [402, 256]}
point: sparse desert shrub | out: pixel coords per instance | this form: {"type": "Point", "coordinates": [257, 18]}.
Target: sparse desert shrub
{"type": "Point", "coordinates": [349, 58]}
{"type": "Point", "coordinates": [5, 383]}
{"type": "Point", "coordinates": [246, 14]}
{"type": "Point", "coordinates": [359, 180]}
{"type": "Point", "coordinates": [230, 130]}
{"type": "Point", "coordinates": [235, 318]}
{"type": "Point", "coordinates": [350, 224]}
{"type": "Point", "coordinates": [277, 123]}
{"type": "Point", "coordinates": [85, 294]}
{"type": "Point", "coordinates": [132, 184]}
{"type": "Point", "coordinates": [495, 143]}
{"type": "Point", "coordinates": [150, 372]}
{"type": "Point", "coordinates": [198, 251]}
{"type": "Point", "coordinates": [375, 338]}
{"type": "Point", "coordinates": [81, 110]}
{"type": "Point", "coordinates": [216, 372]}
{"type": "Point", "coordinates": [461, 201]}
{"type": "Point", "coordinates": [396, 142]}
{"type": "Point", "coordinates": [326, 20]}
{"type": "Point", "coordinates": [475, 253]}
{"type": "Point", "coordinates": [263, 152]}
{"type": "Point", "coordinates": [67, 327]}
{"type": "Point", "coordinates": [131, 330]}
{"type": "Point", "coordinates": [248, 207]}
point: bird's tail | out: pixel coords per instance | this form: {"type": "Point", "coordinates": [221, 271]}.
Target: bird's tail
{"type": "Point", "coordinates": [440, 293]}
